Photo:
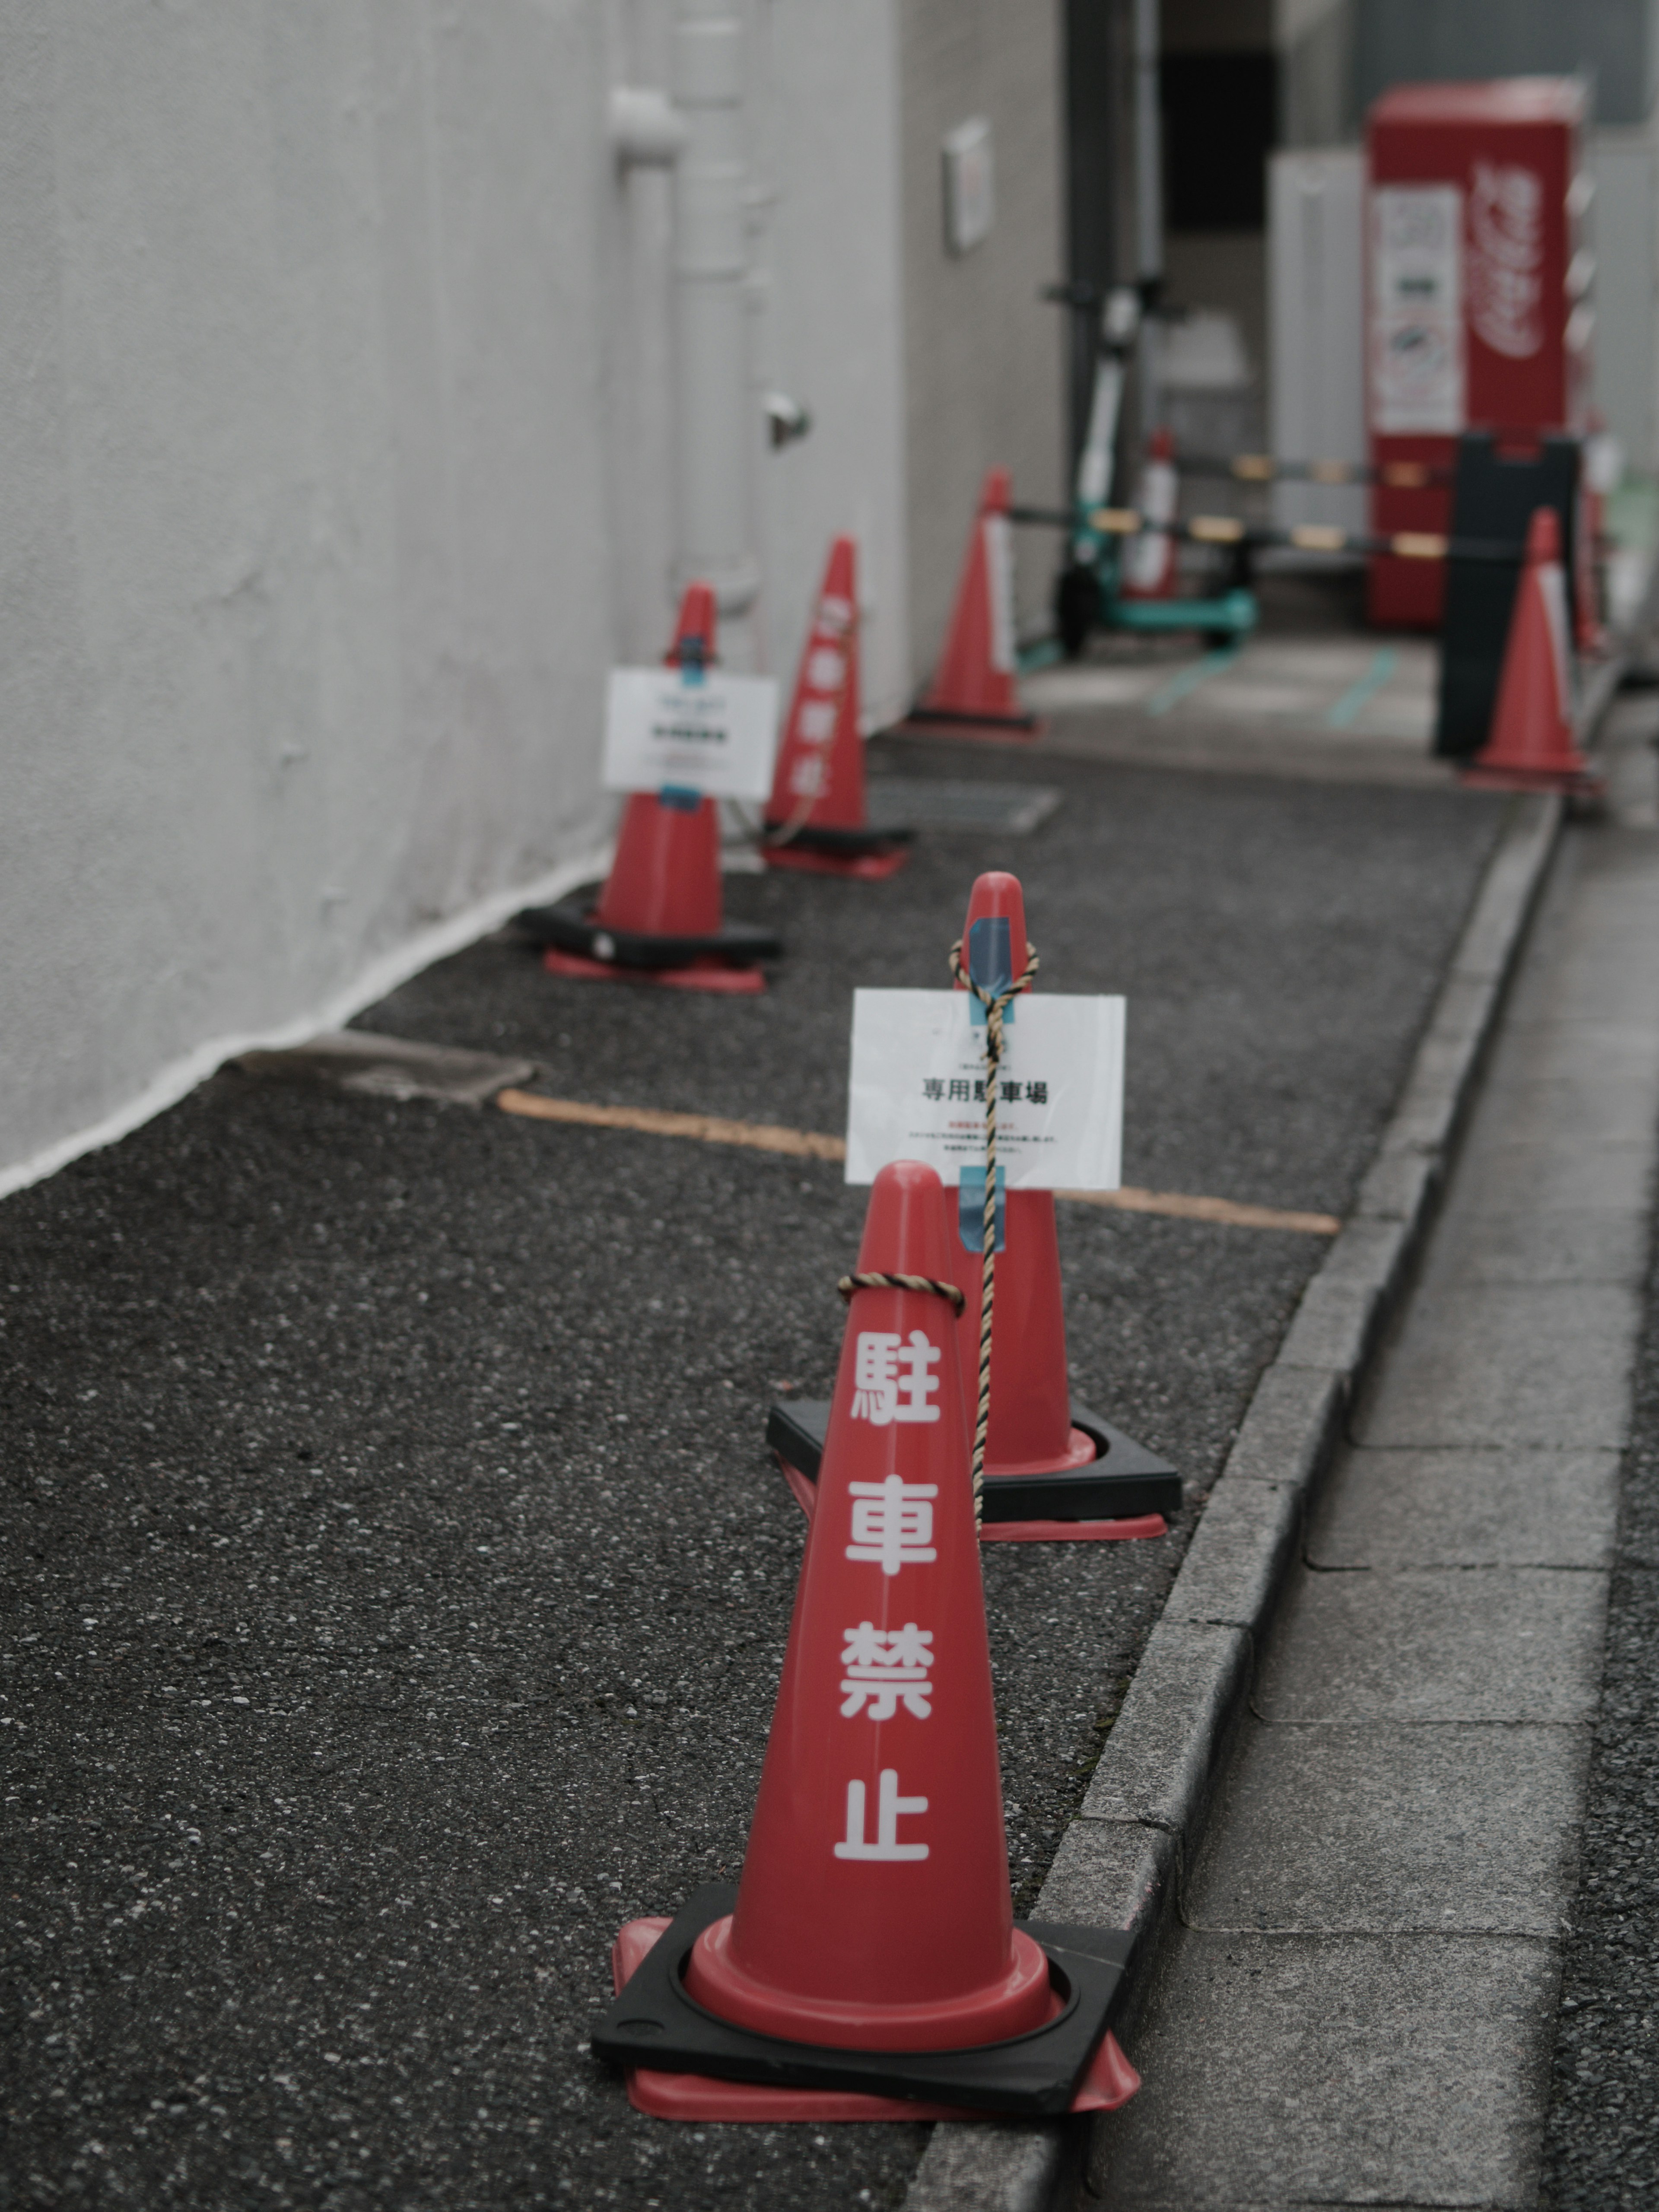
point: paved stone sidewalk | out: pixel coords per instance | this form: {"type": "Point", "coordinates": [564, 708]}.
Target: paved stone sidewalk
{"type": "Point", "coordinates": [1360, 2006]}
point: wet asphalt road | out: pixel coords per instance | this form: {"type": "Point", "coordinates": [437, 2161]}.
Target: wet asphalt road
{"type": "Point", "coordinates": [1601, 2139]}
{"type": "Point", "coordinates": [397, 1581]}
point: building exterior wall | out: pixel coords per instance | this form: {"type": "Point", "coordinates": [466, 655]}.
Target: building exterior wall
{"type": "Point", "coordinates": [1611, 42]}
{"type": "Point", "coordinates": [830, 328]}
{"type": "Point", "coordinates": [336, 410]}
{"type": "Point", "coordinates": [1622, 230]}
{"type": "Point", "coordinates": [985, 357]}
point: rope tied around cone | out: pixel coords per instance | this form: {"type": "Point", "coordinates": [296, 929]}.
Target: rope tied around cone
{"type": "Point", "coordinates": [995, 1004]}
{"type": "Point", "coordinates": [849, 1284]}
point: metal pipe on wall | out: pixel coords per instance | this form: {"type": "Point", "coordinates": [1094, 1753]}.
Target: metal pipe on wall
{"type": "Point", "coordinates": [715, 426]}
{"type": "Point", "coordinates": [1149, 203]}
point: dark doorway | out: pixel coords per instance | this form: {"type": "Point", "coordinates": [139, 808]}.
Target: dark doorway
{"type": "Point", "coordinates": [1218, 118]}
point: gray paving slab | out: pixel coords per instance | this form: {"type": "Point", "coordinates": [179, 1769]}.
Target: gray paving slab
{"type": "Point", "coordinates": [1379, 1828]}
{"type": "Point", "coordinates": [1536, 1245]}
{"type": "Point", "coordinates": [1488, 1508]}
{"type": "Point", "coordinates": [1499, 1364]}
{"type": "Point", "coordinates": [1592, 992]}
{"type": "Point", "coordinates": [1559, 1176]}
{"type": "Point", "coordinates": [1564, 1043]}
{"type": "Point", "coordinates": [1592, 1104]}
{"type": "Point", "coordinates": [1494, 1643]}
{"type": "Point", "coordinates": [1335, 2070]}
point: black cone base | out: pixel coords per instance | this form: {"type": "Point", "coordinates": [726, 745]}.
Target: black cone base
{"type": "Point", "coordinates": [1125, 1481]}
{"type": "Point", "coordinates": [652, 2022]}
{"type": "Point", "coordinates": [569, 927]}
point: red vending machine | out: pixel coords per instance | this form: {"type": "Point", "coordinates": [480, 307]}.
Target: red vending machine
{"type": "Point", "coordinates": [1477, 294]}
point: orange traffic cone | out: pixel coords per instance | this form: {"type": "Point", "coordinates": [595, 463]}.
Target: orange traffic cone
{"type": "Point", "coordinates": [1054, 1472]}
{"type": "Point", "coordinates": [871, 1945]}
{"type": "Point", "coordinates": [659, 917]}
{"type": "Point", "coordinates": [817, 818]}
{"type": "Point", "coordinates": [1035, 1434]}
{"type": "Point", "coordinates": [1531, 746]}
{"type": "Point", "coordinates": [973, 683]}
{"type": "Point", "coordinates": [1148, 568]}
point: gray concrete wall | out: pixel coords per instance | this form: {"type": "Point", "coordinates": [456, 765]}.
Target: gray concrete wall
{"type": "Point", "coordinates": [1613, 41]}
{"type": "Point", "coordinates": [335, 410]}
{"type": "Point", "coordinates": [984, 356]}
{"type": "Point", "coordinates": [1627, 302]}
{"type": "Point", "coordinates": [832, 331]}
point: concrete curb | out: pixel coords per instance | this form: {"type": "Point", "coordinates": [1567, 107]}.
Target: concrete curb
{"type": "Point", "coordinates": [1121, 1861]}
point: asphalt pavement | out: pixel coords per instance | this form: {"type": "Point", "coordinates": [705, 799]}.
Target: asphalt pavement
{"type": "Point", "coordinates": [398, 1582]}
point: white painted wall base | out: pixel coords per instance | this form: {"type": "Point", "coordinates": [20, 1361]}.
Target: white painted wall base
{"type": "Point", "coordinates": [177, 1080]}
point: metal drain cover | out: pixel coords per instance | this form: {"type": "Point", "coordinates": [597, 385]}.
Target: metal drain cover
{"type": "Point", "coordinates": [389, 1067]}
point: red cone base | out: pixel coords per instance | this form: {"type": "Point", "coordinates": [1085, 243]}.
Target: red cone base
{"type": "Point", "coordinates": [866, 867]}
{"type": "Point", "coordinates": [1110, 2080]}
{"type": "Point", "coordinates": [699, 975]}
{"type": "Point", "coordinates": [1074, 1532]}
{"type": "Point", "coordinates": [1581, 782]}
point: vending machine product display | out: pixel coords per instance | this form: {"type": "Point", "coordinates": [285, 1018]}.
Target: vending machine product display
{"type": "Point", "coordinates": [1478, 284]}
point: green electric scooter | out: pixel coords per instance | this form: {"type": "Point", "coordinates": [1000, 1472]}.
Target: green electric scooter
{"type": "Point", "coordinates": [1087, 591]}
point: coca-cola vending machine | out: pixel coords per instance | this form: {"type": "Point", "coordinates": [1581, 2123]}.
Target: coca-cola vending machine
{"type": "Point", "coordinates": [1478, 291]}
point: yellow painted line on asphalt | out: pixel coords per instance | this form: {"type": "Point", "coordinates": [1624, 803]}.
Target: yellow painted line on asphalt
{"type": "Point", "coordinates": [1181, 1207]}
{"type": "Point", "coordinates": [707, 1128]}
{"type": "Point", "coordinates": [809, 1144]}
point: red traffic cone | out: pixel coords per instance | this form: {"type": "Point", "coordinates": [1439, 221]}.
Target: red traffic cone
{"type": "Point", "coordinates": [658, 918]}
{"type": "Point", "coordinates": [1531, 746]}
{"type": "Point", "coordinates": [817, 818]}
{"type": "Point", "coordinates": [973, 683]}
{"type": "Point", "coordinates": [871, 1944]}
{"type": "Point", "coordinates": [1148, 568]}
{"type": "Point", "coordinates": [1032, 1432]}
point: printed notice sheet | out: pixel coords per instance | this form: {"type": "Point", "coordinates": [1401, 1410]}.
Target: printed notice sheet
{"type": "Point", "coordinates": [716, 735]}
{"type": "Point", "coordinates": [917, 1088]}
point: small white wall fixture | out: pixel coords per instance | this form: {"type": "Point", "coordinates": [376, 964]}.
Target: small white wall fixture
{"type": "Point", "coordinates": [969, 185]}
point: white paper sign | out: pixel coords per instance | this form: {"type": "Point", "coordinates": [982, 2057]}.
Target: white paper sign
{"type": "Point", "coordinates": [716, 735]}
{"type": "Point", "coordinates": [918, 1089]}
{"type": "Point", "coordinates": [1417, 309]}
